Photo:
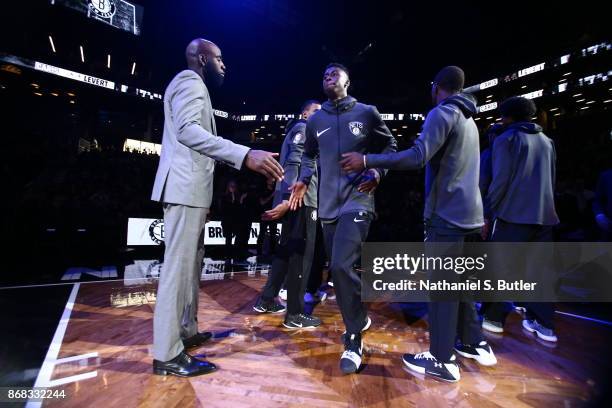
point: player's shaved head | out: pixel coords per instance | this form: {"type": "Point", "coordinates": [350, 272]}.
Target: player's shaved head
{"type": "Point", "coordinates": [197, 47]}
{"type": "Point", "coordinates": [204, 57]}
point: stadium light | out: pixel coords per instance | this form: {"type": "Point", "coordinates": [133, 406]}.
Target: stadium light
{"type": "Point", "coordinates": [82, 54]}
{"type": "Point", "coordinates": [133, 67]}
{"type": "Point", "coordinates": [108, 59]}
{"type": "Point", "coordinates": [52, 44]}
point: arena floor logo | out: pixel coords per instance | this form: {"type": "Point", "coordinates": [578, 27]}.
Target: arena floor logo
{"type": "Point", "coordinates": [156, 231]}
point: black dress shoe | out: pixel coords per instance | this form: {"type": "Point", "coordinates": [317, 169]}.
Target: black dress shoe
{"type": "Point", "coordinates": [183, 365]}
{"type": "Point", "coordinates": [197, 339]}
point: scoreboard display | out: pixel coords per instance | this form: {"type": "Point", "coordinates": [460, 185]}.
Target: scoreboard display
{"type": "Point", "coordinates": [120, 14]}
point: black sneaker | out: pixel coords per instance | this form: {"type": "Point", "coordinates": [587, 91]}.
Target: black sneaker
{"type": "Point", "coordinates": [263, 306]}
{"type": "Point", "coordinates": [353, 352]}
{"type": "Point", "coordinates": [426, 363]}
{"type": "Point", "coordinates": [301, 321]}
{"type": "Point", "coordinates": [480, 352]}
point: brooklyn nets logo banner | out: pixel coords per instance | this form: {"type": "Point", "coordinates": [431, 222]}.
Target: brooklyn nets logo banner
{"type": "Point", "coordinates": [120, 14]}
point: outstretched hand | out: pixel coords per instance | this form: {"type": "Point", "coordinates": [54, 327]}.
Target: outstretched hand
{"type": "Point", "coordinates": [277, 212]}
{"type": "Point", "coordinates": [298, 191]}
{"type": "Point", "coordinates": [352, 162]}
{"type": "Point", "coordinates": [264, 163]}
{"type": "Point", "coordinates": [371, 180]}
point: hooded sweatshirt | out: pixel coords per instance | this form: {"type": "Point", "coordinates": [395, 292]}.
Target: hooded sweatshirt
{"type": "Point", "coordinates": [486, 167]}
{"type": "Point", "coordinates": [291, 159]}
{"type": "Point", "coordinates": [522, 187]}
{"type": "Point", "coordinates": [340, 127]}
{"type": "Point", "coordinates": [449, 149]}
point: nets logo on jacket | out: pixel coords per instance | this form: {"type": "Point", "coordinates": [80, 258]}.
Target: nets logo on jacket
{"type": "Point", "coordinates": [355, 127]}
{"type": "Point", "coordinates": [297, 138]}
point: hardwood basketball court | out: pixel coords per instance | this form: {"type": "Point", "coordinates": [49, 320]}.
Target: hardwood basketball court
{"type": "Point", "coordinates": [104, 358]}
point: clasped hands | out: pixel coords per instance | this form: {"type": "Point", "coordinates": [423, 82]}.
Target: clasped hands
{"type": "Point", "coordinates": [351, 163]}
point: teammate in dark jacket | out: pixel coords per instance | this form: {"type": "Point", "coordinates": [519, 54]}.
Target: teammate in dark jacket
{"type": "Point", "coordinates": [346, 203]}
{"type": "Point", "coordinates": [494, 313]}
{"type": "Point", "coordinates": [449, 149]}
{"type": "Point", "coordinates": [297, 243]}
{"type": "Point", "coordinates": [521, 194]}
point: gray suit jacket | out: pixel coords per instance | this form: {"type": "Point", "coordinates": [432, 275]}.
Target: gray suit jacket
{"type": "Point", "coordinates": [190, 146]}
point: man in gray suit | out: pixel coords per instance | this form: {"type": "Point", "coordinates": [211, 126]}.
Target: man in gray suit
{"type": "Point", "coordinates": [184, 184]}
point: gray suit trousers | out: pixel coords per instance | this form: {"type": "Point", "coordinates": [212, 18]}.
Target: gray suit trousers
{"type": "Point", "coordinates": [176, 307]}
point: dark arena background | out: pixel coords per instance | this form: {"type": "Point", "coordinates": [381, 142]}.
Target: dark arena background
{"type": "Point", "coordinates": [82, 86]}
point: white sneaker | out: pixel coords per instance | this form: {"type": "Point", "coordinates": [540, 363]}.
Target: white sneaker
{"type": "Point", "coordinates": [480, 352]}
{"type": "Point", "coordinates": [542, 332]}
{"type": "Point", "coordinates": [351, 359]}
{"type": "Point", "coordinates": [426, 363]}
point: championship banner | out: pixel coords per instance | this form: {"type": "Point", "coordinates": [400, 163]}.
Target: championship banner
{"type": "Point", "coordinates": [150, 231]}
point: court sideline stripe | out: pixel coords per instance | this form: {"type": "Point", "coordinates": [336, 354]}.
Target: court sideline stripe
{"type": "Point", "coordinates": [102, 281]}
{"type": "Point", "coordinates": [46, 370]}
{"type": "Point", "coordinates": [590, 319]}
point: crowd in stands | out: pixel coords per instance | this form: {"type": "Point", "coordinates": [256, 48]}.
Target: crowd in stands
{"type": "Point", "coordinates": [98, 191]}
